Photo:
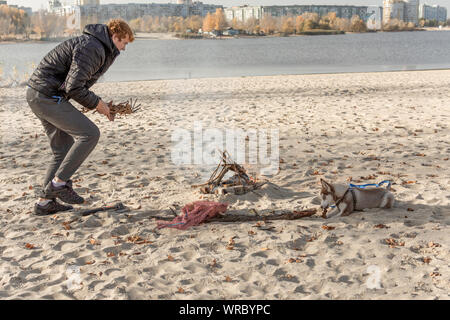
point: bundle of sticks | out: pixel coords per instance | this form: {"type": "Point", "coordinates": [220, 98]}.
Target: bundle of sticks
{"type": "Point", "coordinates": [123, 108]}
{"type": "Point", "coordinates": [240, 183]}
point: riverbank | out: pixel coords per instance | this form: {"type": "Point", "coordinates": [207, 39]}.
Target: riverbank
{"type": "Point", "coordinates": [360, 127]}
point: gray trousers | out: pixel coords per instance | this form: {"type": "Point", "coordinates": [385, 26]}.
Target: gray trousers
{"type": "Point", "coordinates": [72, 135]}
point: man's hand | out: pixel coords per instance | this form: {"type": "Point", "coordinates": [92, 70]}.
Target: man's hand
{"type": "Point", "coordinates": [103, 108]}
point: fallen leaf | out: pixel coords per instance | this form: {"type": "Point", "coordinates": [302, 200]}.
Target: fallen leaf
{"type": "Point", "coordinates": [426, 260]}
{"type": "Point", "coordinates": [93, 241]}
{"type": "Point", "coordinates": [433, 245]}
{"type": "Point", "coordinates": [29, 246]}
{"type": "Point", "coordinates": [264, 249]}
{"type": "Point", "coordinates": [227, 279]}
{"type": "Point", "coordinates": [369, 177]}
{"type": "Point", "coordinates": [180, 290]}
{"type": "Point", "coordinates": [57, 235]}
{"type": "Point", "coordinates": [435, 274]}
{"type": "Point", "coordinates": [251, 232]}
{"type": "Point", "coordinates": [410, 209]}
{"type": "Point", "coordinates": [170, 258]}
{"type": "Point", "coordinates": [381, 226]}
{"type": "Point", "coordinates": [230, 245]}
{"type": "Point", "coordinates": [110, 254]}
{"type": "Point", "coordinates": [213, 263]}
{"type": "Point", "coordinates": [90, 262]}
{"type": "Point", "coordinates": [325, 227]}
{"type": "Point", "coordinates": [292, 260]}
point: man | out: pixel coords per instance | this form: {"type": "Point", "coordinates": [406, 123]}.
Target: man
{"type": "Point", "coordinates": [67, 72]}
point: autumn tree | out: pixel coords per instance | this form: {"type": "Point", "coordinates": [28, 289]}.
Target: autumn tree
{"type": "Point", "coordinates": [209, 23]}
{"type": "Point", "coordinates": [237, 24]}
{"type": "Point", "coordinates": [299, 24]}
{"type": "Point", "coordinates": [48, 25]}
{"type": "Point", "coordinates": [13, 20]}
{"type": "Point", "coordinates": [357, 24]}
{"type": "Point", "coordinates": [287, 25]}
{"type": "Point", "coordinates": [268, 24]}
{"type": "Point", "coordinates": [220, 22]}
{"type": "Point", "coordinates": [137, 24]}
{"type": "Point", "coordinates": [194, 23]}
{"type": "Point", "coordinates": [251, 26]}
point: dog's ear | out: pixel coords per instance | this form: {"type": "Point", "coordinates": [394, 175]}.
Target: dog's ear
{"type": "Point", "coordinates": [326, 186]}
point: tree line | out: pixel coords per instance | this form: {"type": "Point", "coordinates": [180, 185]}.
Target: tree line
{"type": "Point", "coordinates": [267, 24]}
{"type": "Point", "coordinates": [14, 21]}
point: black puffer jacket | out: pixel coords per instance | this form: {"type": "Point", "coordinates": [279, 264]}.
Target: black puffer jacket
{"type": "Point", "coordinates": [75, 65]}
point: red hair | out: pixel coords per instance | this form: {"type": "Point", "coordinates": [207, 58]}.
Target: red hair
{"type": "Point", "coordinates": [120, 28]}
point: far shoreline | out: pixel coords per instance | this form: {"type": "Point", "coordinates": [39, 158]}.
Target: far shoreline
{"type": "Point", "coordinates": [173, 35]}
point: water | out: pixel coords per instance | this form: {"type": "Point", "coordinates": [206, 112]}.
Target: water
{"type": "Point", "coordinates": [173, 59]}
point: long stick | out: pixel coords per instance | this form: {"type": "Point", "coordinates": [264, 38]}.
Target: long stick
{"type": "Point", "coordinates": [245, 218]}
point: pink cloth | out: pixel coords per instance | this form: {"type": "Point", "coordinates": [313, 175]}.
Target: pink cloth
{"type": "Point", "coordinates": [193, 214]}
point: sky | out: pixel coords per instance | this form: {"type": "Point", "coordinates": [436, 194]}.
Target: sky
{"type": "Point", "coordinates": [38, 4]}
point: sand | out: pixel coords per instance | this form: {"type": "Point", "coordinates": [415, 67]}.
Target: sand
{"type": "Point", "coordinates": [360, 127]}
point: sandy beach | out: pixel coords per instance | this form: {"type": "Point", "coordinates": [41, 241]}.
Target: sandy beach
{"type": "Point", "coordinates": [358, 127]}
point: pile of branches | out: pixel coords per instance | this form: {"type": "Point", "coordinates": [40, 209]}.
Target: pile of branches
{"type": "Point", "coordinates": [123, 108]}
{"type": "Point", "coordinates": [239, 183]}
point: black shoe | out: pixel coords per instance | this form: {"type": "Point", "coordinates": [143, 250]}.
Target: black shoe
{"type": "Point", "coordinates": [50, 208]}
{"type": "Point", "coordinates": [65, 193]}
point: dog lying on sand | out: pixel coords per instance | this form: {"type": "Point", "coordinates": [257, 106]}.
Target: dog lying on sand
{"type": "Point", "coordinates": [348, 199]}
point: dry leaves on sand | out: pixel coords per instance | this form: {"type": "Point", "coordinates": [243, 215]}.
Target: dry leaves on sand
{"type": "Point", "coordinates": [432, 244]}
{"type": "Point", "coordinates": [426, 260]}
{"type": "Point", "coordinates": [435, 274]}
{"type": "Point", "coordinates": [292, 260]}
{"type": "Point", "coordinates": [138, 240]}
{"type": "Point", "coordinates": [381, 226]}
{"type": "Point", "coordinates": [30, 246]}
{"type": "Point", "coordinates": [325, 227]}
{"type": "Point", "coordinates": [394, 243]}
{"type": "Point", "coordinates": [230, 245]}
{"type": "Point", "coordinates": [93, 241]}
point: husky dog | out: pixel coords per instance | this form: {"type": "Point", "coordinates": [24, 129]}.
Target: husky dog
{"type": "Point", "coordinates": [348, 199]}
